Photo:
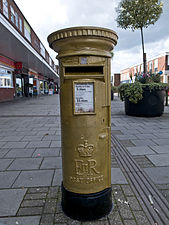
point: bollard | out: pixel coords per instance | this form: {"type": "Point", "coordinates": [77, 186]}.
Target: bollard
{"type": "Point", "coordinates": [84, 55]}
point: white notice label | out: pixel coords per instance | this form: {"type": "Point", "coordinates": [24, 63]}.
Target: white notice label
{"type": "Point", "coordinates": [84, 97]}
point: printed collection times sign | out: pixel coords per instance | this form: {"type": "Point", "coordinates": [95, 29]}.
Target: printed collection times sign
{"type": "Point", "coordinates": [84, 97]}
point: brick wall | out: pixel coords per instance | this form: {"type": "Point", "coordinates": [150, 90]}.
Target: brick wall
{"type": "Point", "coordinates": [6, 94]}
{"type": "Point", "coordinates": [116, 79]}
{"type": "Point", "coordinates": [161, 63]}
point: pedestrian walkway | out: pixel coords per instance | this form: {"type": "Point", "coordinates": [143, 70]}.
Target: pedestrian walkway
{"type": "Point", "coordinates": [30, 165]}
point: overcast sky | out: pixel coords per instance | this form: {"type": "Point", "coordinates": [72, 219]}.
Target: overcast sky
{"type": "Point", "coordinates": [48, 16]}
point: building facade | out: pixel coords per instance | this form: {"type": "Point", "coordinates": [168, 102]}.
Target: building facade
{"type": "Point", "coordinates": [154, 65]}
{"type": "Point", "coordinates": [26, 67]}
{"type": "Point", "coordinates": [116, 79]}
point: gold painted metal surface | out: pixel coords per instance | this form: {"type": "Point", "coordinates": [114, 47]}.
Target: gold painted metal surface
{"type": "Point", "coordinates": [84, 58]}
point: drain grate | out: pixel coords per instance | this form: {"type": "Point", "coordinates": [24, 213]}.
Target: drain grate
{"type": "Point", "coordinates": [152, 201]}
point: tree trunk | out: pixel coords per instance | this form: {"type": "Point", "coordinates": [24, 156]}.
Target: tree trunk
{"type": "Point", "coordinates": [144, 54]}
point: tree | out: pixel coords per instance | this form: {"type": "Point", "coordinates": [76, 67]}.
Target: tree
{"type": "Point", "coordinates": [138, 14]}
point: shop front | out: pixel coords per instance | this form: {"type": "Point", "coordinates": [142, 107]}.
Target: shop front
{"type": "Point", "coordinates": [22, 85]}
{"type": "Point", "coordinates": [46, 88]}
{"type": "Point", "coordinates": [7, 82]}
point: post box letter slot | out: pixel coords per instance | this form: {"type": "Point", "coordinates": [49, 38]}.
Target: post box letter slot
{"type": "Point", "coordinates": [84, 70]}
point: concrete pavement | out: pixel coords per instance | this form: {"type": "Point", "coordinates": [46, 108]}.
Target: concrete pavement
{"type": "Point", "coordinates": [30, 163]}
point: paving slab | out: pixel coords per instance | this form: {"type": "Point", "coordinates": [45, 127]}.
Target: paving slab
{"type": "Point", "coordinates": [2, 144]}
{"type": "Point", "coordinates": [43, 152]}
{"type": "Point", "coordinates": [4, 163]}
{"type": "Point", "coordinates": [3, 152]}
{"type": "Point", "coordinates": [126, 137]}
{"type": "Point", "coordinates": [141, 218]}
{"type": "Point", "coordinates": [8, 178]}
{"type": "Point", "coordinates": [32, 138]}
{"type": "Point", "coordinates": [35, 178]}
{"type": "Point", "coordinates": [145, 142]}
{"type": "Point", "coordinates": [27, 220]}
{"type": "Point", "coordinates": [49, 132]}
{"type": "Point", "coordinates": [52, 163]}
{"type": "Point", "coordinates": [25, 164]}
{"type": "Point", "coordinates": [117, 176]}
{"type": "Point", "coordinates": [55, 144]}
{"type": "Point", "coordinates": [159, 160]}
{"type": "Point", "coordinates": [145, 136]}
{"type": "Point", "coordinates": [38, 144]}
{"type": "Point", "coordinates": [162, 135]}
{"type": "Point", "coordinates": [161, 149]}
{"type": "Point", "coordinates": [159, 175]}
{"type": "Point", "coordinates": [57, 180]}
{"type": "Point", "coordinates": [10, 201]}
{"type": "Point", "coordinates": [140, 150]}
{"type": "Point", "coordinates": [19, 153]}
{"type": "Point", "coordinates": [11, 138]}
{"type": "Point", "coordinates": [15, 144]}
{"type": "Point", "coordinates": [160, 142]}
{"type": "Point", "coordinates": [52, 138]}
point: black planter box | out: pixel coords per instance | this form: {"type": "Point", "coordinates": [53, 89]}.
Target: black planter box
{"type": "Point", "coordinates": [151, 105]}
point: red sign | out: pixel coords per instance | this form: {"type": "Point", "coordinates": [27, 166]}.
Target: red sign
{"type": "Point", "coordinates": [18, 65]}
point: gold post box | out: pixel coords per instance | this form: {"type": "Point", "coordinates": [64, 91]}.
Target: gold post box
{"type": "Point", "coordinates": [84, 55]}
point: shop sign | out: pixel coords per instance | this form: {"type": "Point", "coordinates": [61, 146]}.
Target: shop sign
{"type": "Point", "coordinates": [7, 61]}
{"type": "Point", "coordinates": [18, 65]}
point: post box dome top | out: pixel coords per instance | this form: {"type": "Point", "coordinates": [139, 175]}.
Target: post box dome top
{"type": "Point", "coordinates": [82, 38]}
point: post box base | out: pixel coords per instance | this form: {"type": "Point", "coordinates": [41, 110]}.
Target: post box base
{"type": "Point", "coordinates": [86, 207]}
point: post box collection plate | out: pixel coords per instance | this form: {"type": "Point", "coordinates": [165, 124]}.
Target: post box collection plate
{"type": "Point", "coordinates": [83, 97]}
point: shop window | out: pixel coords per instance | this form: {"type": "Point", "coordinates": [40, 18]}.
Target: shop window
{"type": "Point", "coordinates": [5, 8]}
{"type": "Point", "coordinates": [36, 43]}
{"type": "Point", "coordinates": [156, 65]}
{"type": "Point", "coordinates": [6, 79]}
{"type": "Point", "coordinates": [27, 31]}
{"type": "Point", "coordinates": [12, 14]}
{"type": "Point", "coordinates": [42, 50]}
{"type": "Point", "coordinates": [20, 24]}
{"type": "Point", "coordinates": [150, 66]}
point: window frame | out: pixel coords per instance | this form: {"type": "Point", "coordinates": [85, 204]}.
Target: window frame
{"type": "Point", "coordinates": [6, 78]}
{"type": "Point", "coordinates": [12, 18]}
{"type": "Point", "coordinates": [16, 19]}
{"type": "Point", "coordinates": [42, 50]}
{"type": "Point", "coordinates": [20, 24]}
{"type": "Point", "coordinates": [27, 31]}
{"type": "Point", "coordinates": [5, 8]}
{"type": "Point", "coordinates": [155, 65]}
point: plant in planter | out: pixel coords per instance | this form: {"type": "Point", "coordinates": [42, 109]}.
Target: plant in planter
{"type": "Point", "coordinates": [144, 97]}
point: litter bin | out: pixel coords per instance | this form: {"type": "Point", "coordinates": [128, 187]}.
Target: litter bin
{"type": "Point", "coordinates": [84, 55]}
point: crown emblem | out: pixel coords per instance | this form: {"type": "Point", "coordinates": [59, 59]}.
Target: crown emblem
{"type": "Point", "coordinates": [85, 150]}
